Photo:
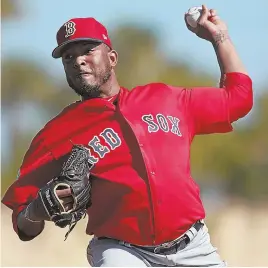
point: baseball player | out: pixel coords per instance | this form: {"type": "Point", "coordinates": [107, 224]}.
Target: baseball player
{"type": "Point", "coordinates": [142, 204]}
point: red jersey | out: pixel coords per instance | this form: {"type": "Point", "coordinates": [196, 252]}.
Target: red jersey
{"type": "Point", "coordinates": [142, 191]}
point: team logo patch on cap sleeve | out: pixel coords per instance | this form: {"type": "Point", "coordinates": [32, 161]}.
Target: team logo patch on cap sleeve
{"type": "Point", "coordinates": [70, 28]}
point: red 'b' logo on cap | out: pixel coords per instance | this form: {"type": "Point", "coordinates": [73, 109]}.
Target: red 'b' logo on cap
{"type": "Point", "coordinates": [70, 28]}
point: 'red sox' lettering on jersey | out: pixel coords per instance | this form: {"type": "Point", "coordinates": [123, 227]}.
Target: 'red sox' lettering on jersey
{"type": "Point", "coordinates": [160, 122]}
{"type": "Point", "coordinates": [150, 197]}
{"type": "Point", "coordinates": [110, 137]}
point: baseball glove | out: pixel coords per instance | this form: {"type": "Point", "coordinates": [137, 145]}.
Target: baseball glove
{"type": "Point", "coordinates": [76, 175]}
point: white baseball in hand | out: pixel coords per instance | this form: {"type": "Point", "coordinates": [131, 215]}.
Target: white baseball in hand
{"type": "Point", "coordinates": [193, 15]}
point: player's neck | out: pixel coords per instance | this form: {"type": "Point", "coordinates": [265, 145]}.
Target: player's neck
{"type": "Point", "coordinates": [110, 90]}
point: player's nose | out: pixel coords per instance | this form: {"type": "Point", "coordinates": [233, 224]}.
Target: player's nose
{"type": "Point", "coordinates": [80, 61]}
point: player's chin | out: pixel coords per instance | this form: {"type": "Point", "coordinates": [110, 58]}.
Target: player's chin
{"type": "Point", "coordinates": [90, 82]}
{"type": "Point", "coordinates": [91, 90]}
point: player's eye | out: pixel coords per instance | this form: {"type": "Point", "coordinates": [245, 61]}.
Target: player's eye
{"type": "Point", "coordinates": [89, 51]}
{"type": "Point", "coordinates": [67, 57]}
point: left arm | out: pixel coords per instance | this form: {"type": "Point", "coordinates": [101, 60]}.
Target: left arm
{"type": "Point", "coordinates": [214, 109]}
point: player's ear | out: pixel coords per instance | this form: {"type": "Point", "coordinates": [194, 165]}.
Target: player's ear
{"type": "Point", "coordinates": [113, 57]}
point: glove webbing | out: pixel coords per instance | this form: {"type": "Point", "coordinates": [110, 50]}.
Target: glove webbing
{"type": "Point", "coordinates": [72, 225]}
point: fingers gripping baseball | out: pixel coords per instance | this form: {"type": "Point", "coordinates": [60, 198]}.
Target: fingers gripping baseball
{"type": "Point", "coordinates": [204, 19]}
{"type": "Point", "coordinates": [204, 22]}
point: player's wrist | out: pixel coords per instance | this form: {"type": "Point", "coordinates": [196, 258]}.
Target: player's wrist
{"type": "Point", "coordinates": [36, 212]}
{"type": "Point", "coordinates": [219, 38]}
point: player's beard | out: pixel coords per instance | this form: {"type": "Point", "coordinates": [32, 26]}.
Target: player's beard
{"type": "Point", "coordinates": [93, 90]}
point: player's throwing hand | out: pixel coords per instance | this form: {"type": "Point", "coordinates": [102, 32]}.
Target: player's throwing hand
{"type": "Point", "coordinates": [209, 26]}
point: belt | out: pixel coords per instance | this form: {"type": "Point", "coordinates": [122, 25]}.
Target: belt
{"type": "Point", "coordinates": [170, 247]}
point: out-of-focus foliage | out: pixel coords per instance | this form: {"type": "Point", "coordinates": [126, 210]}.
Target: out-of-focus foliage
{"type": "Point", "coordinates": [26, 81]}
{"type": "Point", "coordinates": [8, 9]}
{"type": "Point", "coordinates": [141, 61]}
{"type": "Point", "coordinates": [236, 162]}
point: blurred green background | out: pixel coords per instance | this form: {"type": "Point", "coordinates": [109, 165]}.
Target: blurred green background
{"type": "Point", "coordinates": [231, 169]}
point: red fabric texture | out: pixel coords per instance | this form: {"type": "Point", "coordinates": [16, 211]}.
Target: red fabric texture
{"type": "Point", "coordinates": [143, 192]}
